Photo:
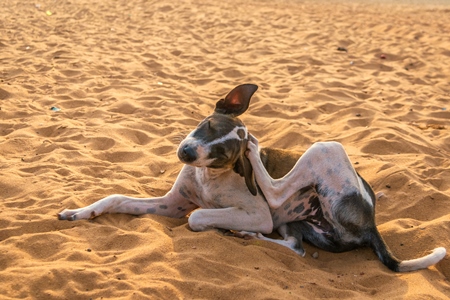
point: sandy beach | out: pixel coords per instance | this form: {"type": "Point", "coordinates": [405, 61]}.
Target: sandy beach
{"type": "Point", "coordinates": [95, 97]}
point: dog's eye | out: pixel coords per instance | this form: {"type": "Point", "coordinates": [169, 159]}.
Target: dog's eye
{"type": "Point", "coordinates": [221, 152]}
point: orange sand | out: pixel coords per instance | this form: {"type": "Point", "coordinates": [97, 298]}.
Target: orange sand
{"type": "Point", "coordinates": [132, 78]}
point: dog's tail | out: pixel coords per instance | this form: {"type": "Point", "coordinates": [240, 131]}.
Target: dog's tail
{"type": "Point", "coordinates": [388, 259]}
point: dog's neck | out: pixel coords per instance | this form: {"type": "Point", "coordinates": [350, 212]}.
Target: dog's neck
{"type": "Point", "coordinates": [205, 174]}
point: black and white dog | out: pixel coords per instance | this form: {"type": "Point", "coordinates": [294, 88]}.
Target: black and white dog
{"type": "Point", "coordinates": [322, 199]}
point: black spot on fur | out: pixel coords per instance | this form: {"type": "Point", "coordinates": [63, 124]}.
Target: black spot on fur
{"type": "Point", "coordinates": [306, 189]}
{"type": "Point", "coordinates": [324, 150]}
{"type": "Point", "coordinates": [163, 206]}
{"type": "Point", "coordinates": [329, 172]}
{"type": "Point", "coordinates": [151, 210]}
{"type": "Point", "coordinates": [241, 133]}
{"type": "Point", "coordinates": [299, 208]}
{"type": "Point", "coordinates": [286, 207]}
{"type": "Point", "coordinates": [183, 193]}
{"type": "Point", "coordinates": [180, 208]}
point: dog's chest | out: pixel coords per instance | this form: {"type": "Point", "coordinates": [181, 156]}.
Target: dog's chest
{"type": "Point", "coordinates": [218, 189]}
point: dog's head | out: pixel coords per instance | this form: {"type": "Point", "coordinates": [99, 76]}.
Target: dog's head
{"type": "Point", "coordinates": [220, 140]}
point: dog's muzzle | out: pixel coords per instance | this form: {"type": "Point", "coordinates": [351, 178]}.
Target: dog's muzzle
{"type": "Point", "coordinates": [187, 154]}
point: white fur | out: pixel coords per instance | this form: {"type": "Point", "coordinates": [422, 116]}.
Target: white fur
{"type": "Point", "coordinates": [424, 262]}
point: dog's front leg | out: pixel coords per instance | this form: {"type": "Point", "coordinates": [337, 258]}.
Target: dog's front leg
{"type": "Point", "coordinates": [267, 184]}
{"type": "Point", "coordinates": [171, 205]}
{"type": "Point", "coordinates": [231, 218]}
{"type": "Point", "coordinates": [177, 203]}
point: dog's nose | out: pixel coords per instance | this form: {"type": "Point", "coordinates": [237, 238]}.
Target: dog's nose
{"type": "Point", "coordinates": [187, 154]}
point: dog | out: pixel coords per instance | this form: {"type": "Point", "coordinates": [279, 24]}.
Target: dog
{"type": "Point", "coordinates": [218, 176]}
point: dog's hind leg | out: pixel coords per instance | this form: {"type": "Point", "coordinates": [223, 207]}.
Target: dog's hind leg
{"type": "Point", "coordinates": [325, 166]}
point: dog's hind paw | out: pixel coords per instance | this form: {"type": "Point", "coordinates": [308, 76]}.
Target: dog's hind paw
{"type": "Point", "coordinates": [295, 245]}
{"type": "Point", "coordinates": [299, 251]}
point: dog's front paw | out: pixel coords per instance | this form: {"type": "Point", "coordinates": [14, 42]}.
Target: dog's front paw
{"type": "Point", "coordinates": [75, 214]}
{"type": "Point", "coordinates": [252, 150]}
{"type": "Point", "coordinates": [67, 215]}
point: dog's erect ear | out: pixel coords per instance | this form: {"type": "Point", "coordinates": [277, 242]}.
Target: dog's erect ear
{"type": "Point", "coordinates": [237, 101]}
{"type": "Point", "coordinates": [244, 168]}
